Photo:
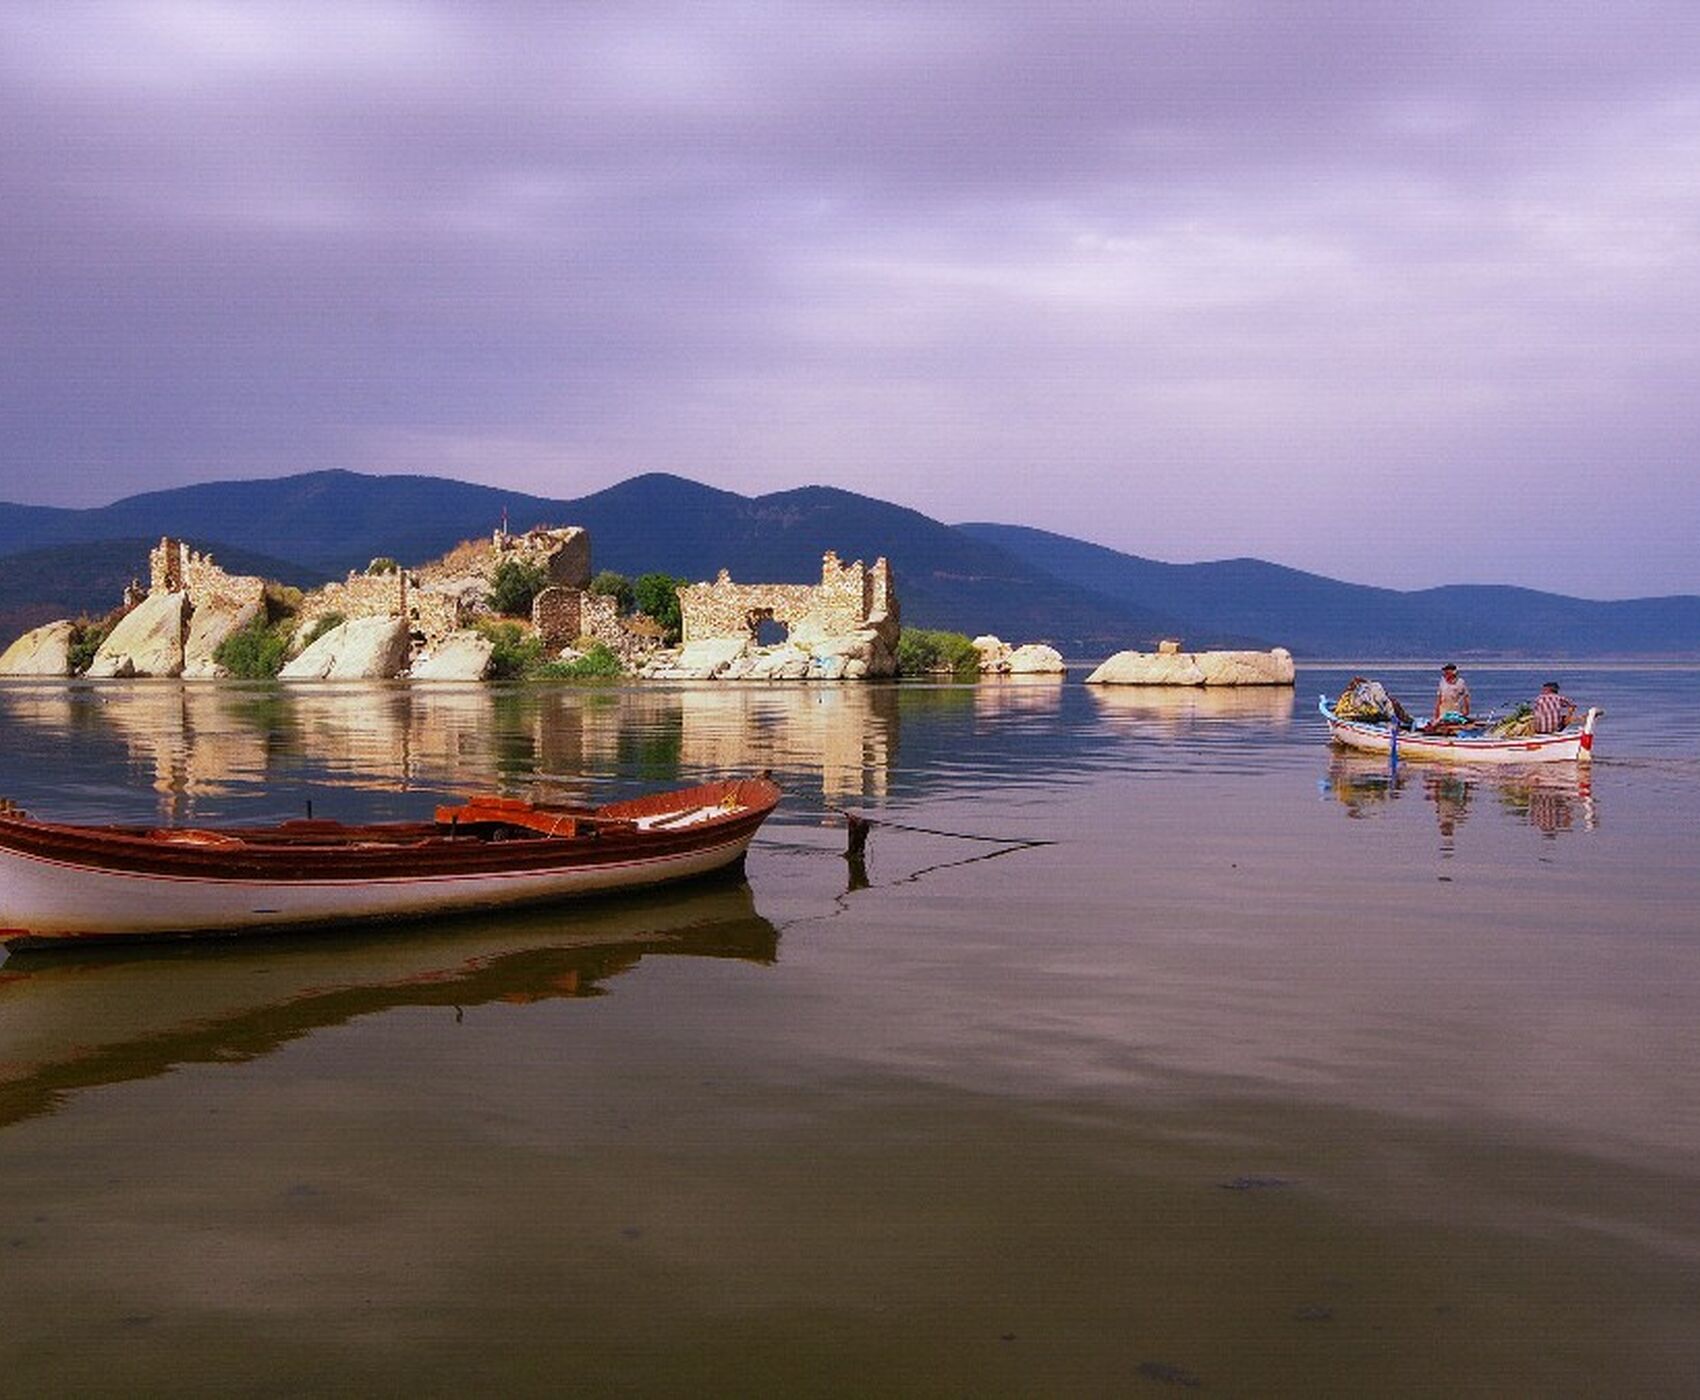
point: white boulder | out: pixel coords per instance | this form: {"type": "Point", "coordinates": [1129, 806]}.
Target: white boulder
{"type": "Point", "coordinates": [148, 640]}
{"type": "Point", "coordinates": [1196, 668]}
{"type": "Point", "coordinates": [366, 649]}
{"type": "Point", "coordinates": [704, 660]}
{"type": "Point", "coordinates": [1035, 659]}
{"type": "Point", "coordinates": [44, 651]}
{"type": "Point", "coordinates": [460, 656]}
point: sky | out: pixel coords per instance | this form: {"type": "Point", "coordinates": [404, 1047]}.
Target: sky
{"type": "Point", "coordinates": [1402, 293]}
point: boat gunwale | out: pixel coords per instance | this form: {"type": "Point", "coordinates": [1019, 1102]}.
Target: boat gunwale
{"type": "Point", "coordinates": [610, 839]}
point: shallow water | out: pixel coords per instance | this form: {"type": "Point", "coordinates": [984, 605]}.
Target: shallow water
{"type": "Point", "coordinates": [1271, 1073]}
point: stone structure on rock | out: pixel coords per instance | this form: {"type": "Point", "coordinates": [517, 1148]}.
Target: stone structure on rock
{"type": "Point", "coordinates": [1169, 665]}
{"type": "Point", "coordinates": [848, 598]}
{"type": "Point", "coordinates": [843, 628]}
{"type": "Point", "coordinates": [562, 552]}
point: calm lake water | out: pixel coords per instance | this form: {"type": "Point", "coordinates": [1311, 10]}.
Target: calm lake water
{"type": "Point", "coordinates": [1270, 1074]}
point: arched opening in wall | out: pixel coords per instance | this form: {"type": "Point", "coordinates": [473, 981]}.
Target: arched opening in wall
{"type": "Point", "coordinates": [764, 630]}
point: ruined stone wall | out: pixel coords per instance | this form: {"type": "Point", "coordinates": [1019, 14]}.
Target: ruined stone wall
{"type": "Point", "coordinates": [175, 568]}
{"type": "Point", "coordinates": [563, 553]}
{"type": "Point", "coordinates": [434, 615]}
{"type": "Point", "coordinates": [563, 615]}
{"type": "Point", "coordinates": [555, 614]}
{"type": "Point", "coordinates": [360, 595]}
{"type": "Point", "coordinates": [849, 598]}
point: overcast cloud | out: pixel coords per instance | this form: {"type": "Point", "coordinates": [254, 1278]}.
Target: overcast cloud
{"type": "Point", "coordinates": [1403, 293]}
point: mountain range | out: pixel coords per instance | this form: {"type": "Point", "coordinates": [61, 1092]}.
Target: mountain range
{"type": "Point", "coordinates": [1024, 584]}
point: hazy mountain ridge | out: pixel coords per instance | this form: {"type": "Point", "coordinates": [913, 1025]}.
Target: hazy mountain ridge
{"type": "Point", "coordinates": [1022, 583]}
{"type": "Point", "coordinates": [1316, 616]}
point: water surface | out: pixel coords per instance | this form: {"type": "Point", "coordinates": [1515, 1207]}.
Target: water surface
{"type": "Point", "coordinates": [1270, 1072]}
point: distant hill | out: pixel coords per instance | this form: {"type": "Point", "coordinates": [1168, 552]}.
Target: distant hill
{"type": "Point", "coordinates": [1317, 616]}
{"type": "Point", "coordinates": [326, 523]}
{"type": "Point", "coordinates": [66, 580]}
{"type": "Point", "coordinates": [1021, 583]}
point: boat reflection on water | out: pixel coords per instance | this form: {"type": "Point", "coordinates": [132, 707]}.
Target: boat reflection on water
{"type": "Point", "coordinates": [1550, 799]}
{"type": "Point", "coordinates": [76, 1019]}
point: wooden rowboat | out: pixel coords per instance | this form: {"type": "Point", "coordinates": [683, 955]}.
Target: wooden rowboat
{"type": "Point", "coordinates": [1572, 745]}
{"type": "Point", "coordinates": [65, 884]}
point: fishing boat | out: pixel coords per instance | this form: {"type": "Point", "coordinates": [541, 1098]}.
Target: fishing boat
{"type": "Point", "coordinates": [79, 884]}
{"type": "Point", "coordinates": [1572, 745]}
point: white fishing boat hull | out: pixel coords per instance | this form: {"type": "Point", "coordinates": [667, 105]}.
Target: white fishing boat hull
{"type": "Point", "coordinates": [1573, 745]}
{"type": "Point", "coordinates": [46, 900]}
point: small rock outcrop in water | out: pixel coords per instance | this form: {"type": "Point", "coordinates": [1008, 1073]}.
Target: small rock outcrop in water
{"type": "Point", "coordinates": [148, 640]}
{"type": "Point", "coordinates": [1176, 667]}
{"type": "Point", "coordinates": [367, 649]}
{"type": "Point", "coordinates": [999, 658]}
{"type": "Point", "coordinates": [46, 651]}
{"type": "Point", "coordinates": [462, 656]}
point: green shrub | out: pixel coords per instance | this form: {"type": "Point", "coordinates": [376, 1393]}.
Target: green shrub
{"type": "Point", "coordinates": [514, 584]}
{"type": "Point", "coordinates": [383, 564]}
{"type": "Point", "coordinates": [921, 652]}
{"type": "Point", "coordinates": [86, 636]}
{"type": "Point", "coordinates": [282, 600]}
{"type": "Point", "coordinates": [518, 653]}
{"type": "Point", "coordinates": [322, 624]}
{"type": "Point", "coordinates": [657, 596]}
{"type": "Point", "coordinates": [255, 653]}
{"type": "Point", "coordinates": [597, 662]}
{"type": "Point", "coordinates": [609, 584]}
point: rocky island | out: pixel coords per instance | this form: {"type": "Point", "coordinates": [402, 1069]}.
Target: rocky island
{"type": "Point", "coordinates": [447, 621]}
{"type": "Point", "coordinates": [1169, 665]}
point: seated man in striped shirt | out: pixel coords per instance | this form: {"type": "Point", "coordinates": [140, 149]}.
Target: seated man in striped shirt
{"type": "Point", "coordinates": [1552, 710]}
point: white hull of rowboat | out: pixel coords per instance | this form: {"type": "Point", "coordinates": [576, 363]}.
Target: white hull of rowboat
{"type": "Point", "coordinates": [45, 900]}
{"type": "Point", "coordinates": [1573, 745]}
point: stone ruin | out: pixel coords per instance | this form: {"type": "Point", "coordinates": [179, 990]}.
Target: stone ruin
{"type": "Point", "coordinates": [843, 628]}
{"type": "Point", "coordinates": [848, 598]}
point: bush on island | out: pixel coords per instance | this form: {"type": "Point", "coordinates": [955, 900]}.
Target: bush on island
{"type": "Point", "coordinates": [255, 653]}
{"type": "Point", "coordinates": [657, 596]}
{"type": "Point", "coordinates": [517, 652]}
{"type": "Point", "coordinates": [87, 633]}
{"type": "Point", "coordinates": [513, 585]}
{"type": "Point", "coordinates": [597, 662]}
{"type": "Point", "coordinates": [609, 584]}
{"type": "Point", "coordinates": [922, 652]}
{"type": "Point", "coordinates": [322, 624]}
{"type": "Point", "coordinates": [383, 564]}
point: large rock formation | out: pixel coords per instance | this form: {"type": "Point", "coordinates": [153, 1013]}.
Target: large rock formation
{"type": "Point", "coordinates": [46, 651]}
{"type": "Point", "coordinates": [462, 656]}
{"type": "Point", "coordinates": [367, 649]}
{"type": "Point", "coordinates": [148, 640]}
{"type": "Point", "coordinates": [1176, 667]}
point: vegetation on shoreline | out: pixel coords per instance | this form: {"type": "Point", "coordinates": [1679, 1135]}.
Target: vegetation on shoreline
{"type": "Point", "coordinates": [513, 585]}
{"type": "Point", "coordinates": [922, 651]}
{"type": "Point", "coordinates": [256, 652]}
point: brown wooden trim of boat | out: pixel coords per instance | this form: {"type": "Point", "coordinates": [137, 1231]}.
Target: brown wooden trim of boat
{"type": "Point", "coordinates": [327, 851]}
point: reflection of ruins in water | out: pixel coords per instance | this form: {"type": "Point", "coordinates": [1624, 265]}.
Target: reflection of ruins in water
{"type": "Point", "coordinates": [1551, 799]}
{"type": "Point", "coordinates": [1174, 710]}
{"type": "Point", "coordinates": [206, 739]}
{"type": "Point", "coordinates": [75, 1019]}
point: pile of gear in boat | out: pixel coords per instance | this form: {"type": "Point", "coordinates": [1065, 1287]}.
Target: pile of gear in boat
{"type": "Point", "coordinates": [1369, 702]}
